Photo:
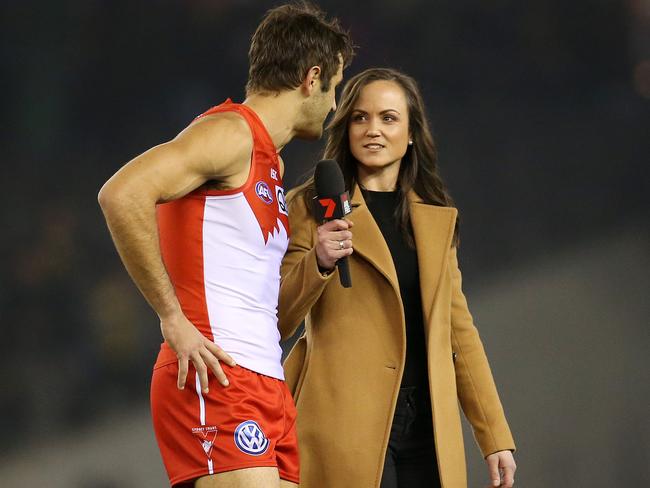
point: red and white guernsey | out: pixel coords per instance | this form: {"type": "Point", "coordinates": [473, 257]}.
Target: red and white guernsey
{"type": "Point", "coordinates": [223, 249]}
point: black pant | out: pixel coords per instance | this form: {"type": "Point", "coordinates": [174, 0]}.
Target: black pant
{"type": "Point", "coordinates": [411, 455]}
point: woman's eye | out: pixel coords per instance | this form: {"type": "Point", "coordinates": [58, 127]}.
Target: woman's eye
{"type": "Point", "coordinates": [358, 117]}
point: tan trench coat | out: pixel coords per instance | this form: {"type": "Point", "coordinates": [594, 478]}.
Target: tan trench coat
{"type": "Point", "coordinates": [345, 371]}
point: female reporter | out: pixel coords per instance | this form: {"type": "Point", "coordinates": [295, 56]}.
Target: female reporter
{"type": "Point", "coordinates": [378, 374]}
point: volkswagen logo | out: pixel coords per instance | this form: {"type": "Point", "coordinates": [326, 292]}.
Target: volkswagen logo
{"type": "Point", "coordinates": [250, 439]}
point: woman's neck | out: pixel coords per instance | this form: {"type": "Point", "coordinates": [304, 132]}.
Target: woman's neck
{"type": "Point", "coordinates": [383, 180]}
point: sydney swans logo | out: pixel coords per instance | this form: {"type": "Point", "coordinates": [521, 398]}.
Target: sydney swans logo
{"type": "Point", "coordinates": [206, 436]}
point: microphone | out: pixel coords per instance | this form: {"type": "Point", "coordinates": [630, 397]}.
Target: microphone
{"type": "Point", "coordinates": [332, 202]}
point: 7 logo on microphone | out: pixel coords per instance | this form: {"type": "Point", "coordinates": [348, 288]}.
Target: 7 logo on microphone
{"type": "Point", "coordinates": [328, 208]}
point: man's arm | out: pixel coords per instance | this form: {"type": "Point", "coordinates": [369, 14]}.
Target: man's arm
{"type": "Point", "coordinates": [214, 148]}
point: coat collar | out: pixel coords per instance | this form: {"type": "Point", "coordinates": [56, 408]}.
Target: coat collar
{"type": "Point", "coordinates": [433, 228]}
{"type": "Point", "coordinates": [368, 240]}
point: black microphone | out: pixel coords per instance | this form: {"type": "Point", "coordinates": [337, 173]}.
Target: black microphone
{"type": "Point", "coordinates": [332, 202]}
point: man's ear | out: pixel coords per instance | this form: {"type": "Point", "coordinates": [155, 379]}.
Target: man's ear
{"type": "Point", "coordinates": [311, 81]}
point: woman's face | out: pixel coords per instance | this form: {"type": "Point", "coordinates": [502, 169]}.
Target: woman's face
{"type": "Point", "coordinates": [379, 132]}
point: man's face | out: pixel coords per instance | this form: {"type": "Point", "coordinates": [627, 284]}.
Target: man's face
{"type": "Point", "coordinates": [319, 106]}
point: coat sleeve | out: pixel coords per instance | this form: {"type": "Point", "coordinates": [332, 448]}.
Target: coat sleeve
{"type": "Point", "coordinates": [301, 283]}
{"type": "Point", "coordinates": [476, 389]}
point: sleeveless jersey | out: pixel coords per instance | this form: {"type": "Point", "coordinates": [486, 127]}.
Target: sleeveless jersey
{"type": "Point", "coordinates": [222, 251]}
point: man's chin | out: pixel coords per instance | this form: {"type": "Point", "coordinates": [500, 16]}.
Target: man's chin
{"type": "Point", "coordinates": [310, 134]}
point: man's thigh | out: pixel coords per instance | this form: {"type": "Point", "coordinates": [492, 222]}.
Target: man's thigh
{"type": "Point", "coordinates": [263, 477]}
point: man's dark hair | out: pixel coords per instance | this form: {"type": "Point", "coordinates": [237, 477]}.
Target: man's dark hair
{"type": "Point", "coordinates": [291, 39]}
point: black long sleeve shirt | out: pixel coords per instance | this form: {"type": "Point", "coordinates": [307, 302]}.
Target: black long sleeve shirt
{"type": "Point", "coordinates": [382, 206]}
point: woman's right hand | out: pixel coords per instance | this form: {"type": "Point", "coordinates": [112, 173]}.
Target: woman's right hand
{"type": "Point", "coordinates": [334, 242]}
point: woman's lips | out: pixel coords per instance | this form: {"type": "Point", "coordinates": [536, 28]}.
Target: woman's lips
{"type": "Point", "coordinates": [373, 147]}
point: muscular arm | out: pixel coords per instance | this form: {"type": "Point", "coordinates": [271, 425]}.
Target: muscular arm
{"type": "Point", "coordinates": [217, 147]}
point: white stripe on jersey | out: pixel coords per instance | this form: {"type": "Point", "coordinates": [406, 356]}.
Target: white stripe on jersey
{"type": "Point", "coordinates": [242, 282]}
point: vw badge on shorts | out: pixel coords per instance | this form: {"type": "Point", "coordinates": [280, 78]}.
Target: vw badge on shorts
{"type": "Point", "coordinates": [250, 439]}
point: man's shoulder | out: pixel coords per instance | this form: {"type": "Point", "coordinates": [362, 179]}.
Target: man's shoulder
{"type": "Point", "coordinates": [221, 125]}
{"type": "Point", "coordinates": [226, 134]}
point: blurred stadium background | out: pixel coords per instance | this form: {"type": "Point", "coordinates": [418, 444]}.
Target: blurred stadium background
{"type": "Point", "coordinates": [542, 117]}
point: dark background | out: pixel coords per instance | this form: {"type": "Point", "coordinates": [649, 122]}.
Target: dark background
{"type": "Point", "coordinates": [541, 113]}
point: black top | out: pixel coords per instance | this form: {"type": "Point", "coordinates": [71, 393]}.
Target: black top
{"type": "Point", "coordinates": [382, 206]}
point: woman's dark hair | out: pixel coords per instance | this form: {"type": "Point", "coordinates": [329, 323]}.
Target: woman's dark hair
{"type": "Point", "coordinates": [419, 167]}
{"type": "Point", "coordinates": [291, 39]}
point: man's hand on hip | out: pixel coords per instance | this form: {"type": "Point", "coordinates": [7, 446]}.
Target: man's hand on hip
{"type": "Point", "coordinates": [190, 345]}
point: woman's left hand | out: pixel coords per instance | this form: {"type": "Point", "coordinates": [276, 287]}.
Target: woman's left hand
{"type": "Point", "coordinates": [502, 467]}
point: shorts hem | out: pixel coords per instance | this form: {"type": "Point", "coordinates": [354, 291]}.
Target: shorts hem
{"type": "Point", "coordinates": [221, 469]}
{"type": "Point", "coordinates": [290, 479]}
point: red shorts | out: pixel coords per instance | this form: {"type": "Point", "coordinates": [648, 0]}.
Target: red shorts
{"type": "Point", "coordinates": [250, 423]}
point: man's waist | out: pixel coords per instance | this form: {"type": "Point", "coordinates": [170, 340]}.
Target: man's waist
{"type": "Point", "coordinates": [262, 359]}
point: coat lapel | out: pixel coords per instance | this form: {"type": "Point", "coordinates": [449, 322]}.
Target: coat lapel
{"type": "Point", "coordinates": [368, 241]}
{"type": "Point", "coordinates": [433, 228]}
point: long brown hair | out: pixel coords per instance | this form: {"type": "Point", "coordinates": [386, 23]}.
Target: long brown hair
{"type": "Point", "coordinates": [419, 167]}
